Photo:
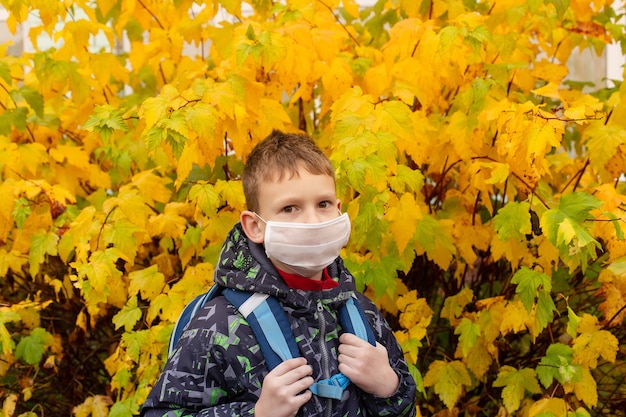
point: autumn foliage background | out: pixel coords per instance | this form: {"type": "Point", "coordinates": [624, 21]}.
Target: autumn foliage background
{"type": "Point", "coordinates": [486, 191]}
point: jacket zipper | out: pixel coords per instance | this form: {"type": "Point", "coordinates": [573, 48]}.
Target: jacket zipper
{"type": "Point", "coordinates": [328, 412]}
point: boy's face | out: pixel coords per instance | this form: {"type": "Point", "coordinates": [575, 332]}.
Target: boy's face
{"type": "Point", "coordinates": [307, 198]}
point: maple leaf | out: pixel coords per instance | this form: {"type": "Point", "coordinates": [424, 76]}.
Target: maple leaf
{"type": "Point", "coordinates": [602, 141]}
{"type": "Point", "coordinates": [448, 379]}
{"type": "Point", "coordinates": [148, 281]}
{"type": "Point", "coordinates": [31, 348]}
{"type": "Point", "coordinates": [530, 284]}
{"type": "Point", "coordinates": [557, 364]}
{"type": "Point", "coordinates": [41, 245]}
{"type": "Point", "coordinates": [434, 237]}
{"type": "Point", "coordinates": [105, 120]}
{"type": "Point", "coordinates": [548, 407]}
{"type": "Point", "coordinates": [513, 221]}
{"type": "Point", "coordinates": [586, 389]}
{"type": "Point", "coordinates": [454, 305]}
{"type": "Point", "coordinates": [516, 383]}
{"type": "Point", "coordinates": [404, 218]}
{"type": "Point", "coordinates": [94, 406]}
{"type": "Point", "coordinates": [206, 197]}
{"type": "Point", "coordinates": [564, 227]}
{"type": "Point", "coordinates": [469, 332]}
{"type": "Point", "coordinates": [122, 235]}
{"type": "Point", "coordinates": [128, 316]}
{"type": "Point", "coordinates": [592, 343]}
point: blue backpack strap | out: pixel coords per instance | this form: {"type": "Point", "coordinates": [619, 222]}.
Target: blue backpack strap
{"type": "Point", "coordinates": [352, 319]}
{"type": "Point", "coordinates": [188, 313]}
{"type": "Point", "coordinates": [272, 329]}
{"type": "Point", "coordinates": [269, 323]}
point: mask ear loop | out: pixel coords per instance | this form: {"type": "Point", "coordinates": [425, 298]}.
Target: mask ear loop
{"type": "Point", "coordinates": [261, 218]}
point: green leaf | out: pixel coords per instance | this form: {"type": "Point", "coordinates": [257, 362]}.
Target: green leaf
{"type": "Point", "coordinates": [176, 141]}
{"type": "Point", "coordinates": [557, 364]}
{"type": "Point", "coordinates": [21, 211]}
{"type": "Point", "coordinates": [529, 284]}
{"type": "Point", "coordinates": [154, 138]}
{"type": "Point", "coordinates": [469, 333]}
{"type": "Point", "coordinates": [435, 240]}
{"type": "Point", "coordinates": [250, 33]}
{"type": "Point", "coordinates": [41, 244]}
{"type": "Point", "coordinates": [5, 72]}
{"type": "Point", "coordinates": [565, 229]}
{"type": "Point", "coordinates": [513, 221]}
{"type": "Point", "coordinates": [105, 120]}
{"type": "Point", "coordinates": [32, 347]}
{"type": "Point", "coordinates": [127, 407]}
{"type": "Point", "coordinates": [561, 7]}
{"type": "Point", "coordinates": [13, 118]}
{"type": "Point", "coordinates": [545, 310]}
{"type": "Point", "coordinates": [33, 98]}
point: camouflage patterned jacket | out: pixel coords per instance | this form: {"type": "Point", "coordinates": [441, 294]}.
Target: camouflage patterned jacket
{"type": "Point", "coordinates": [217, 367]}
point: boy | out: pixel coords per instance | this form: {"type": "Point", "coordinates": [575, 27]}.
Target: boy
{"type": "Point", "coordinates": [286, 245]}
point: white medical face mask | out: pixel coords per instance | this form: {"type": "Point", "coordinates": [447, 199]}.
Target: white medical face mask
{"type": "Point", "coordinates": [306, 248]}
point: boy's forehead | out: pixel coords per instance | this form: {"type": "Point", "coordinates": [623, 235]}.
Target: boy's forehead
{"type": "Point", "coordinates": [277, 178]}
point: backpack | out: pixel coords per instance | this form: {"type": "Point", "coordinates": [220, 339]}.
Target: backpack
{"type": "Point", "coordinates": [272, 330]}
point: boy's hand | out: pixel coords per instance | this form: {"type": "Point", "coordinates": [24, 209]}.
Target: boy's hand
{"type": "Point", "coordinates": [367, 366]}
{"type": "Point", "coordinates": [282, 391]}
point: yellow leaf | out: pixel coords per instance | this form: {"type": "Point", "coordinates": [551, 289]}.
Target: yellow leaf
{"type": "Point", "coordinates": [151, 187]}
{"type": "Point", "coordinates": [131, 204]}
{"type": "Point", "coordinates": [478, 359]}
{"type": "Point", "coordinates": [541, 138]}
{"type": "Point", "coordinates": [413, 310]}
{"type": "Point", "coordinates": [272, 116]}
{"type": "Point", "coordinates": [231, 192]}
{"type": "Point", "coordinates": [11, 261]}
{"type": "Point", "coordinates": [8, 405]}
{"type": "Point", "coordinates": [554, 73]}
{"type": "Point", "coordinates": [403, 219]}
{"type": "Point", "coordinates": [449, 379]}
{"type": "Point", "coordinates": [515, 318]}
{"type": "Point", "coordinates": [511, 250]}
{"type": "Point", "coordinates": [128, 316]}
{"type": "Point", "coordinates": [148, 281]}
{"type": "Point", "coordinates": [556, 406]}
{"type": "Point", "coordinates": [586, 389]}
{"type": "Point", "coordinates": [593, 343]}
{"type": "Point", "coordinates": [206, 198]}
{"type": "Point", "coordinates": [95, 406]}
{"type": "Point", "coordinates": [454, 305]}
{"type": "Point", "coordinates": [490, 319]}
{"type": "Point", "coordinates": [550, 90]}
{"type": "Point", "coordinates": [71, 155]}
{"type": "Point", "coordinates": [168, 224]}
{"type": "Point", "coordinates": [155, 108]}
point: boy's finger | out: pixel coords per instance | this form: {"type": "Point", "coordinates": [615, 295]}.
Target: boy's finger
{"type": "Point", "coordinates": [289, 365]}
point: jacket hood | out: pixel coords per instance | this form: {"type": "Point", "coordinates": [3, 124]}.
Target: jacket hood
{"type": "Point", "coordinates": [243, 265]}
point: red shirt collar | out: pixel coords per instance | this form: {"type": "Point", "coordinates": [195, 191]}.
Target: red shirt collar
{"type": "Point", "coordinates": [298, 282]}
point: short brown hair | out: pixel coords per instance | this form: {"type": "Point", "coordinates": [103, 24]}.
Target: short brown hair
{"type": "Point", "coordinates": [280, 155]}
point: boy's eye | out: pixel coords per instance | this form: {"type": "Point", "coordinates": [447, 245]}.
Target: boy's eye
{"type": "Point", "coordinates": [288, 209]}
{"type": "Point", "coordinates": [324, 204]}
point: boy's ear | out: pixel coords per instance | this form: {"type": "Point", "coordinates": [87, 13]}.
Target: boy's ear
{"type": "Point", "coordinates": [251, 225]}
